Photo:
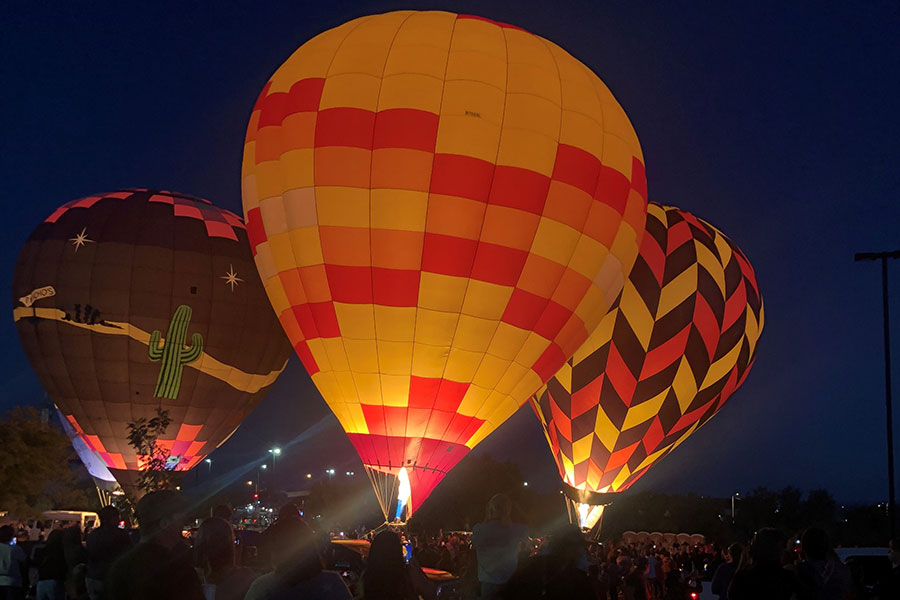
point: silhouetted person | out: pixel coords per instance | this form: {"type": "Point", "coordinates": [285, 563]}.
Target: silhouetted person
{"type": "Point", "coordinates": [155, 568]}
{"type": "Point", "coordinates": [298, 567]}
{"type": "Point", "coordinates": [496, 542]}
{"type": "Point", "coordinates": [105, 545]}
{"type": "Point", "coordinates": [389, 577]}
{"type": "Point", "coordinates": [723, 575]}
{"type": "Point", "coordinates": [222, 511]}
{"type": "Point", "coordinates": [51, 560]}
{"type": "Point", "coordinates": [554, 575]}
{"type": "Point", "coordinates": [12, 566]}
{"type": "Point", "coordinates": [220, 578]}
{"type": "Point", "coordinates": [822, 574]}
{"type": "Point", "coordinates": [889, 586]}
{"type": "Point", "coordinates": [761, 575]}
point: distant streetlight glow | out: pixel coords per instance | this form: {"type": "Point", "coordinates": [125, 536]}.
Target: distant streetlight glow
{"type": "Point", "coordinates": [249, 483]}
{"type": "Point", "coordinates": [309, 475]}
{"type": "Point", "coordinates": [525, 484]}
{"type": "Point", "coordinates": [265, 466]}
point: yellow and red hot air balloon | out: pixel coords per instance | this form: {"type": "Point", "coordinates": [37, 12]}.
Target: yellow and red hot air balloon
{"type": "Point", "coordinates": [136, 300]}
{"type": "Point", "coordinates": [678, 342]}
{"type": "Point", "coordinates": [441, 208]}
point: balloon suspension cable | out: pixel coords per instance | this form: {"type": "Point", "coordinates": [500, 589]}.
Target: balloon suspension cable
{"type": "Point", "coordinates": [385, 485]}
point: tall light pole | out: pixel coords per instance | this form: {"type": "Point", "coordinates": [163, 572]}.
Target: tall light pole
{"type": "Point", "coordinates": [208, 462]}
{"type": "Point", "coordinates": [274, 452]}
{"type": "Point", "coordinates": [732, 504]}
{"type": "Point", "coordinates": [883, 257]}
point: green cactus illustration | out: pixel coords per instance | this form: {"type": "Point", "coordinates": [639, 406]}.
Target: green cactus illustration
{"type": "Point", "coordinates": [174, 354]}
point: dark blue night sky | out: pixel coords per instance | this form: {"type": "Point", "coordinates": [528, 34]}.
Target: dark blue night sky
{"type": "Point", "coordinates": [776, 122]}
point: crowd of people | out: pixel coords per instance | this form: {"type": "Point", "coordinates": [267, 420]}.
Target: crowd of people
{"type": "Point", "coordinates": [496, 561]}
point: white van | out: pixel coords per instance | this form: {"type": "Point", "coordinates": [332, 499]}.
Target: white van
{"type": "Point", "coordinates": [60, 519]}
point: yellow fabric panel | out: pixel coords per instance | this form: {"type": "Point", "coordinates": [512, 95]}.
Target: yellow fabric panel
{"type": "Point", "coordinates": [710, 262]}
{"type": "Point", "coordinates": [684, 385]}
{"type": "Point", "coordinates": [362, 355]}
{"type": "Point", "coordinates": [399, 209]}
{"type": "Point", "coordinates": [394, 358]}
{"type": "Point", "coordinates": [368, 387]}
{"type": "Point", "coordinates": [307, 247]}
{"type": "Point", "coordinates": [644, 411]}
{"type": "Point", "coordinates": [620, 478]}
{"type": "Point", "coordinates": [617, 154]}
{"type": "Point", "coordinates": [473, 400]}
{"type": "Point", "coordinates": [677, 291]}
{"type": "Point", "coordinates": [429, 361]}
{"type": "Point", "coordinates": [511, 378]}
{"type": "Point", "coordinates": [507, 341]}
{"type": "Point", "coordinates": [462, 364]}
{"type": "Point", "coordinates": [468, 135]}
{"type": "Point", "coordinates": [486, 300]}
{"type": "Point", "coordinates": [532, 349]}
{"type": "Point", "coordinates": [297, 166]}
{"type": "Point", "coordinates": [272, 212]}
{"type": "Point", "coordinates": [395, 323]}
{"type": "Point", "coordinates": [336, 354]}
{"type": "Point", "coordinates": [606, 432]}
{"type": "Point", "coordinates": [490, 371]}
{"type": "Point", "coordinates": [534, 114]}
{"type": "Point", "coordinates": [527, 149]}
{"type": "Point", "coordinates": [724, 249]}
{"type": "Point", "coordinates": [435, 327]}
{"type": "Point", "coordinates": [269, 179]}
{"type": "Point", "coordinates": [477, 52]}
{"type": "Point", "coordinates": [564, 377]}
{"type": "Point", "coordinates": [581, 449]}
{"type": "Point", "coordinates": [586, 311]}
{"type": "Point", "coordinates": [526, 387]}
{"type": "Point", "coordinates": [312, 58]}
{"type": "Point", "coordinates": [359, 420]}
{"type": "Point", "coordinates": [637, 314]}
{"type": "Point", "coordinates": [474, 99]}
{"type": "Point", "coordinates": [584, 259]}
{"type": "Point", "coordinates": [265, 262]}
{"type": "Point", "coordinates": [581, 131]}
{"type": "Point", "coordinates": [431, 29]}
{"type": "Point", "coordinates": [555, 241]}
{"type": "Point", "coordinates": [394, 389]}
{"type": "Point", "coordinates": [317, 349]}
{"type": "Point", "coordinates": [721, 367]}
{"type": "Point", "coordinates": [357, 321]}
{"type": "Point", "coordinates": [365, 49]}
{"type": "Point", "coordinates": [276, 294]}
{"type": "Point", "coordinates": [474, 333]}
{"type": "Point", "coordinates": [282, 252]}
{"type": "Point", "coordinates": [485, 430]}
{"type": "Point", "coordinates": [353, 90]}
{"type": "Point", "coordinates": [248, 178]}
{"type": "Point", "coordinates": [441, 292]}
{"type": "Point", "coordinates": [300, 207]}
{"type": "Point", "coordinates": [342, 206]}
{"type": "Point", "coordinates": [568, 468]}
{"type": "Point", "coordinates": [327, 384]}
{"type": "Point", "coordinates": [533, 68]}
{"type": "Point", "coordinates": [412, 90]}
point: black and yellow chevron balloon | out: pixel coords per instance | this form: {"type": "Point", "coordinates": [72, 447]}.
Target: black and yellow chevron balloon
{"type": "Point", "coordinates": [678, 342]}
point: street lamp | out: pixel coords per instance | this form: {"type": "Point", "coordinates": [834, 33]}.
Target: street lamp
{"type": "Point", "coordinates": [208, 462]}
{"type": "Point", "coordinates": [733, 496]}
{"type": "Point", "coordinates": [883, 257]}
{"type": "Point", "coordinates": [309, 475]}
{"type": "Point", "coordinates": [274, 452]}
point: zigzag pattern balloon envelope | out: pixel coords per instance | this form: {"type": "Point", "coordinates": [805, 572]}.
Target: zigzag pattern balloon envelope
{"type": "Point", "coordinates": [441, 208]}
{"type": "Point", "coordinates": [133, 300]}
{"type": "Point", "coordinates": [679, 341]}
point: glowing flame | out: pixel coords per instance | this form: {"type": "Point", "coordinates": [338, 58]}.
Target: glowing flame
{"type": "Point", "coordinates": [403, 492]}
{"type": "Point", "coordinates": [588, 515]}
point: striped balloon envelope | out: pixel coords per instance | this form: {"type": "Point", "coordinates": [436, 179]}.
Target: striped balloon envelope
{"type": "Point", "coordinates": [441, 208]}
{"type": "Point", "coordinates": [679, 341]}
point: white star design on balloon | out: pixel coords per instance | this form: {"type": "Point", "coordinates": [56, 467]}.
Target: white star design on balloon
{"type": "Point", "coordinates": [81, 239]}
{"type": "Point", "coordinates": [231, 277]}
